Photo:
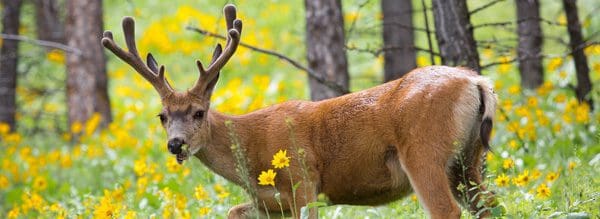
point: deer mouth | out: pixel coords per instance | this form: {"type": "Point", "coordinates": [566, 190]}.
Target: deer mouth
{"type": "Point", "coordinates": [184, 155]}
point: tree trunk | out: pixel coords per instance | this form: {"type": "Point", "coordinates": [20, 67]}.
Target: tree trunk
{"type": "Point", "coordinates": [530, 43]}
{"type": "Point", "coordinates": [325, 41]}
{"type": "Point", "coordinates": [398, 40]}
{"type": "Point", "coordinates": [49, 26]}
{"type": "Point", "coordinates": [454, 34]}
{"type": "Point", "coordinates": [584, 86]}
{"type": "Point", "coordinates": [9, 58]}
{"type": "Point", "coordinates": [86, 77]}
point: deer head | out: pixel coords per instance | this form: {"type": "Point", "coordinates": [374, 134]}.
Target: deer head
{"type": "Point", "coordinates": [184, 115]}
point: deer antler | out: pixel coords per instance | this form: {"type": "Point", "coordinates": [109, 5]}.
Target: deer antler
{"type": "Point", "coordinates": [234, 29]}
{"type": "Point", "coordinates": [150, 71]}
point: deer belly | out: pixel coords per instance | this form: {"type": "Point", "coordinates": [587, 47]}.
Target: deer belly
{"type": "Point", "coordinates": [364, 184]}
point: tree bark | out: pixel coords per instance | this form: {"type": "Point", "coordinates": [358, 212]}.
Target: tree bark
{"type": "Point", "coordinates": [325, 42]}
{"type": "Point", "coordinates": [9, 58]}
{"type": "Point", "coordinates": [584, 85]}
{"type": "Point", "coordinates": [397, 15]}
{"type": "Point", "coordinates": [49, 26]}
{"type": "Point", "coordinates": [454, 34]}
{"type": "Point", "coordinates": [86, 73]}
{"type": "Point", "coordinates": [530, 43]}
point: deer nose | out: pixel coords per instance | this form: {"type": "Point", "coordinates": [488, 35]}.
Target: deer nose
{"type": "Point", "coordinates": [174, 145]}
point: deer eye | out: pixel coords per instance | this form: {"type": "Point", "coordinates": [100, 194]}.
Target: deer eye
{"type": "Point", "coordinates": [199, 114]}
{"type": "Point", "coordinates": [162, 118]}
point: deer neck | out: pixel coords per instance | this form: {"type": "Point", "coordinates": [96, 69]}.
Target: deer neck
{"type": "Point", "coordinates": [216, 151]}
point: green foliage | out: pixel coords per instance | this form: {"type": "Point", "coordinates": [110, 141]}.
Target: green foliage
{"type": "Point", "coordinates": [546, 151]}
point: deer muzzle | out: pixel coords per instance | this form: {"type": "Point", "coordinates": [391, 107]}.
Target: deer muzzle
{"type": "Point", "coordinates": [174, 145]}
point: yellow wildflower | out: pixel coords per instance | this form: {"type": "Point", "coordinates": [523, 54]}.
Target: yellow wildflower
{"type": "Point", "coordinates": [280, 159]}
{"type": "Point", "coordinates": [422, 61]}
{"type": "Point", "coordinates": [130, 215]}
{"type": "Point", "coordinates": [572, 165]}
{"type": "Point", "coordinates": [502, 180]}
{"type": "Point", "coordinates": [532, 101]}
{"type": "Point", "coordinates": [267, 178]}
{"type": "Point", "coordinates": [139, 166]}
{"type": "Point", "coordinates": [513, 144]}
{"type": "Point", "coordinates": [39, 183]}
{"type": "Point", "coordinates": [92, 123]}
{"type": "Point", "coordinates": [56, 56]}
{"type": "Point", "coordinates": [204, 211]}
{"type": "Point", "coordinates": [65, 161]}
{"type": "Point", "coordinates": [543, 191]}
{"type": "Point", "coordinates": [556, 128]}
{"type": "Point", "coordinates": [515, 89]}
{"type": "Point", "coordinates": [522, 179]}
{"type": "Point", "coordinates": [200, 193]}
{"type": "Point", "coordinates": [222, 193]}
{"type": "Point", "coordinates": [563, 74]}
{"type": "Point", "coordinates": [512, 126]}
{"type": "Point", "coordinates": [4, 183]}
{"type": "Point", "coordinates": [536, 174]}
{"type": "Point", "coordinates": [142, 182]}
{"type": "Point", "coordinates": [552, 176]}
{"type": "Point", "coordinates": [413, 198]}
{"type": "Point", "coordinates": [4, 129]}
{"type": "Point", "coordinates": [76, 127]}
{"type": "Point", "coordinates": [554, 64]}
{"type": "Point", "coordinates": [14, 138]}
{"type": "Point", "coordinates": [505, 66]}
{"type": "Point", "coordinates": [489, 156]}
{"type": "Point", "coordinates": [172, 165]}
{"type": "Point", "coordinates": [32, 201]}
{"type": "Point", "coordinates": [508, 163]}
{"type": "Point", "coordinates": [106, 208]}
{"type": "Point", "coordinates": [582, 113]}
{"type": "Point", "coordinates": [13, 213]}
{"type": "Point", "coordinates": [545, 88]}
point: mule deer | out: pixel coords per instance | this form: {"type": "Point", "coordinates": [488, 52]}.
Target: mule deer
{"type": "Point", "coordinates": [426, 132]}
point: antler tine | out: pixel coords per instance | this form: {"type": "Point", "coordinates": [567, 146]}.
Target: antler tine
{"type": "Point", "coordinates": [149, 71]}
{"type": "Point", "coordinates": [220, 57]}
{"type": "Point", "coordinates": [233, 38]}
{"type": "Point", "coordinates": [152, 64]}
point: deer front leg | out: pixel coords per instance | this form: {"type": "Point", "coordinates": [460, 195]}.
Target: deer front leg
{"type": "Point", "coordinates": [241, 211]}
{"type": "Point", "coordinates": [304, 196]}
{"type": "Point", "coordinates": [430, 182]}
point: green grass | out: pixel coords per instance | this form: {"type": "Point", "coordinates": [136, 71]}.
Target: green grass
{"type": "Point", "coordinates": [126, 170]}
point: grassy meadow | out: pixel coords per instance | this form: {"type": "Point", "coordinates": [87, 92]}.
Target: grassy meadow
{"type": "Point", "coordinates": [545, 159]}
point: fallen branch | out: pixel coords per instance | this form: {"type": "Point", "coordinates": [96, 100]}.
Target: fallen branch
{"type": "Point", "coordinates": [44, 43]}
{"type": "Point", "coordinates": [489, 4]}
{"type": "Point", "coordinates": [378, 52]}
{"type": "Point", "coordinates": [294, 63]}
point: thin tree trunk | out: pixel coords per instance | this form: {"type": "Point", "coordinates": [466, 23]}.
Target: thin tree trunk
{"type": "Point", "coordinates": [454, 34]}
{"type": "Point", "coordinates": [584, 85]}
{"type": "Point", "coordinates": [530, 43]}
{"type": "Point", "coordinates": [325, 46]}
{"type": "Point", "coordinates": [49, 26]}
{"type": "Point", "coordinates": [9, 58]}
{"type": "Point", "coordinates": [86, 79]}
{"type": "Point", "coordinates": [397, 15]}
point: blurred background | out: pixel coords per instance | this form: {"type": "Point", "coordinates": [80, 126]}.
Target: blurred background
{"type": "Point", "coordinates": [80, 137]}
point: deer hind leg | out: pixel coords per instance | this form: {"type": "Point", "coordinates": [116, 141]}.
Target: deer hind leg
{"type": "Point", "coordinates": [243, 211]}
{"type": "Point", "coordinates": [466, 181]}
{"type": "Point", "coordinates": [427, 176]}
